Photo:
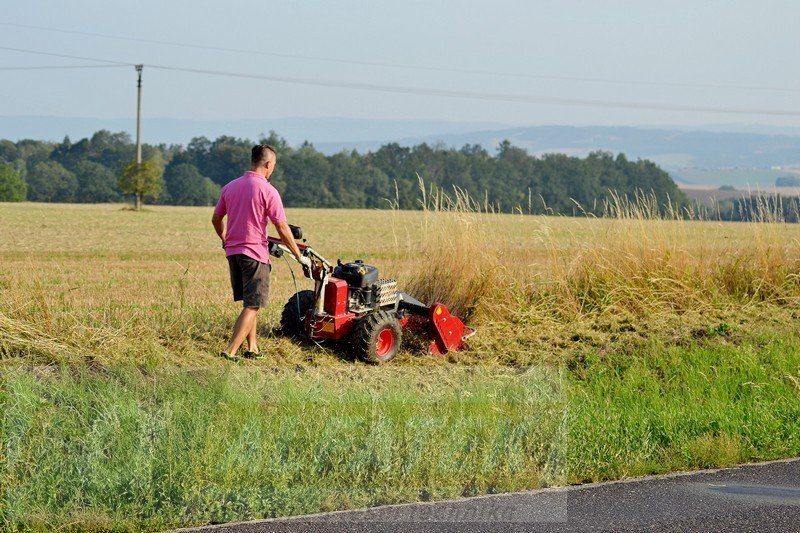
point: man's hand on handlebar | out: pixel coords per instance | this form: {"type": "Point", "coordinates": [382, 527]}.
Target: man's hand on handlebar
{"type": "Point", "coordinates": [305, 261]}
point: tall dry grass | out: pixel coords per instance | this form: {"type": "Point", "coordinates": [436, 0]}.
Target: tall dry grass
{"type": "Point", "coordinates": [537, 287]}
{"type": "Point", "coordinates": [640, 262]}
{"type": "Point", "coordinates": [452, 257]}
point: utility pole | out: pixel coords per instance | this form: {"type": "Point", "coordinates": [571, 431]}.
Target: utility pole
{"type": "Point", "coordinates": [139, 129]}
{"type": "Point", "coordinates": [139, 116]}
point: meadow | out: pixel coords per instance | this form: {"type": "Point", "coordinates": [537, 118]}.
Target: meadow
{"type": "Point", "coordinates": [606, 348]}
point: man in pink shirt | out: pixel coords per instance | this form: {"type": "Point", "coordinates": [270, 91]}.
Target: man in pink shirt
{"type": "Point", "coordinates": [250, 202]}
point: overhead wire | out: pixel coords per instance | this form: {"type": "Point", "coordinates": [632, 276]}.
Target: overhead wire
{"type": "Point", "coordinates": [62, 67]}
{"type": "Point", "coordinates": [453, 70]}
{"type": "Point", "coordinates": [471, 95]}
{"type": "Point", "coordinates": [67, 56]}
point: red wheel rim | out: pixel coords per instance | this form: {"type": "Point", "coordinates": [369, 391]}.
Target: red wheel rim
{"type": "Point", "coordinates": [385, 342]}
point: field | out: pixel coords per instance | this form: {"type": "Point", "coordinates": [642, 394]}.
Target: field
{"type": "Point", "coordinates": [742, 178]}
{"type": "Point", "coordinates": [710, 195]}
{"type": "Point", "coordinates": [606, 348]}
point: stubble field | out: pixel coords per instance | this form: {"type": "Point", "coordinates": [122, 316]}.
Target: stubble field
{"type": "Point", "coordinates": [606, 348]}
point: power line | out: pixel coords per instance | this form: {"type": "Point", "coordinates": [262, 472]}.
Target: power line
{"type": "Point", "coordinates": [61, 67]}
{"type": "Point", "coordinates": [470, 95]}
{"type": "Point", "coordinates": [53, 54]}
{"type": "Point", "coordinates": [407, 66]}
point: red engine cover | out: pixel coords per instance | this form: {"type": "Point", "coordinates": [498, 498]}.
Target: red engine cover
{"type": "Point", "coordinates": [336, 297]}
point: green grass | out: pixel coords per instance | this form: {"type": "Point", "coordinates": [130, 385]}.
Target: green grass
{"type": "Point", "coordinates": [681, 408]}
{"type": "Point", "coordinates": [129, 449]}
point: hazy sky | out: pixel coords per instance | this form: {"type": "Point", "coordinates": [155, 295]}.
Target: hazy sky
{"type": "Point", "coordinates": [746, 50]}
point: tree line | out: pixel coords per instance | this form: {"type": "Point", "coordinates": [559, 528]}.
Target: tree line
{"type": "Point", "coordinates": [98, 169]}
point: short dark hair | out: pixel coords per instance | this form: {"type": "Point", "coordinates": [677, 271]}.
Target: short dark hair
{"type": "Point", "coordinates": [260, 152]}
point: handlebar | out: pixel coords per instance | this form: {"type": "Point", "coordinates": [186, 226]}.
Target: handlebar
{"type": "Point", "coordinates": [320, 267]}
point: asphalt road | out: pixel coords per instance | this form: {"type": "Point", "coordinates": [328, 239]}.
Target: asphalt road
{"type": "Point", "coordinates": [761, 497]}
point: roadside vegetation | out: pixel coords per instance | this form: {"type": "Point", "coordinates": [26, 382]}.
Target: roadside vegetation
{"type": "Point", "coordinates": [607, 347]}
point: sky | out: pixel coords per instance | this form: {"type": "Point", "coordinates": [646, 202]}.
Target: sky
{"type": "Point", "coordinates": [566, 62]}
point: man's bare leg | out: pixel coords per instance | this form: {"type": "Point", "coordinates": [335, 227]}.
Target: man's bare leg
{"type": "Point", "coordinates": [252, 344]}
{"type": "Point", "coordinates": [244, 325]}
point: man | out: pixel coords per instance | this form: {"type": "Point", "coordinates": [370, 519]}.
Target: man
{"type": "Point", "coordinates": [249, 202]}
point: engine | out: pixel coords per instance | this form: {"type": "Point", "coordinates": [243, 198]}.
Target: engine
{"type": "Point", "coordinates": [365, 291]}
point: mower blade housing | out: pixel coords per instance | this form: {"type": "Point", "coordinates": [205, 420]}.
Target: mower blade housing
{"type": "Point", "coordinates": [446, 331]}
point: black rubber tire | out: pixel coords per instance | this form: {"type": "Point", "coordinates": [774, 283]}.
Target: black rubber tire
{"type": "Point", "coordinates": [292, 317]}
{"type": "Point", "coordinates": [368, 335]}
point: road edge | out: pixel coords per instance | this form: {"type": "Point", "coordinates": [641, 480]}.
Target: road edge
{"type": "Point", "coordinates": [557, 489]}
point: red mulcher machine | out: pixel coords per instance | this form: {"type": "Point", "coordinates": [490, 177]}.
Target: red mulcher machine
{"type": "Point", "coordinates": [350, 303]}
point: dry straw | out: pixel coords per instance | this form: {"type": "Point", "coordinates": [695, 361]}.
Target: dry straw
{"type": "Point", "coordinates": [640, 258]}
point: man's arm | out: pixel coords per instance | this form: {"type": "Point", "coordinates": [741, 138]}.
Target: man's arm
{"type": "Point", "coordinates": [219, 226]}
{"type": "Point", "coordinates": [286, 236]}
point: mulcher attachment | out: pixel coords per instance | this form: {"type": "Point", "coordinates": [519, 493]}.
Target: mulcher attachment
{"type": "Point", "coordinates": [446, 331]}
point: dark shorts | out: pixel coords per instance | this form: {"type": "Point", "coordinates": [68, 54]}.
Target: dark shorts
{"type": "Point", "coordinates": [249, 280]}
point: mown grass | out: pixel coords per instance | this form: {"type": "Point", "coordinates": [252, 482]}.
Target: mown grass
{"type": "Point", "coordinates": [606, 348]}
{"type": "Point", "coordinates": [120, 286]}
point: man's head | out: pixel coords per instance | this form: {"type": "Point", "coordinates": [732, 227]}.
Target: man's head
{"type": "Point", "coordinates": [262, 159]}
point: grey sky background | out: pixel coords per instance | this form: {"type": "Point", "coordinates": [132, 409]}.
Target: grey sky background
{"type": "Point", "coordinates": [645, 46]}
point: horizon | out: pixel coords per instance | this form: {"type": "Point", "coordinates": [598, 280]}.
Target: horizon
{"type": "Point", "coordinates": [161, 130]}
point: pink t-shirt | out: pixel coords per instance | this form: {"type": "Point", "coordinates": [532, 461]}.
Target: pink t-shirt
{"type": "Point", "coordinates": [249, 201]}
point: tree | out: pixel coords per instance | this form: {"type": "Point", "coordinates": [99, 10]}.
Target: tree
{"type": "Point", "coordinates": [306, 173]}
{"type": "Point", "coordinates": [212, 190]}
{"type": "Point", "coordinates": [142, 180]}
{"type": "Point", "coordinates": [96, 183]}
{"type": "Point", "coordinates": [112, 149]}
{"type": "Point", "coordinates": [8, 151]}
{"type": "Point", "coordinates": [186, 186]}
{"type": "Point", "coordinates": [48, 181]}
{"type": "Point", "coordinates": [12, 187]}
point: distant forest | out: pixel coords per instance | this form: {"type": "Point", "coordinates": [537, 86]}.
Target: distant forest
{"type": "Point", "coordinates": [508, 179]}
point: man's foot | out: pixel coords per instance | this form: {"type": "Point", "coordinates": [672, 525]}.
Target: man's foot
{"type": "Point", "coordinates": [229, 357]}
{"type": "Point", "coordinates": [253, 355]}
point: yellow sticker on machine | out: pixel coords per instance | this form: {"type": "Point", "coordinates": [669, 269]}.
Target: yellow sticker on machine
{"type": "Point", "coordinates": [328, 327]}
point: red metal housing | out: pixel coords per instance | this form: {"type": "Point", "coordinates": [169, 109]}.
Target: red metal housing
{"type": "Point", "coordinates": [447, 330]}
{"type": "Point", "coordinates": [336, 297]}
{"type": "Point", "coordinates": [336, 323]}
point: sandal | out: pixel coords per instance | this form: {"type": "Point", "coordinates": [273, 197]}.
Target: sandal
{"type": "Point", "coordinates": [229, 357]}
